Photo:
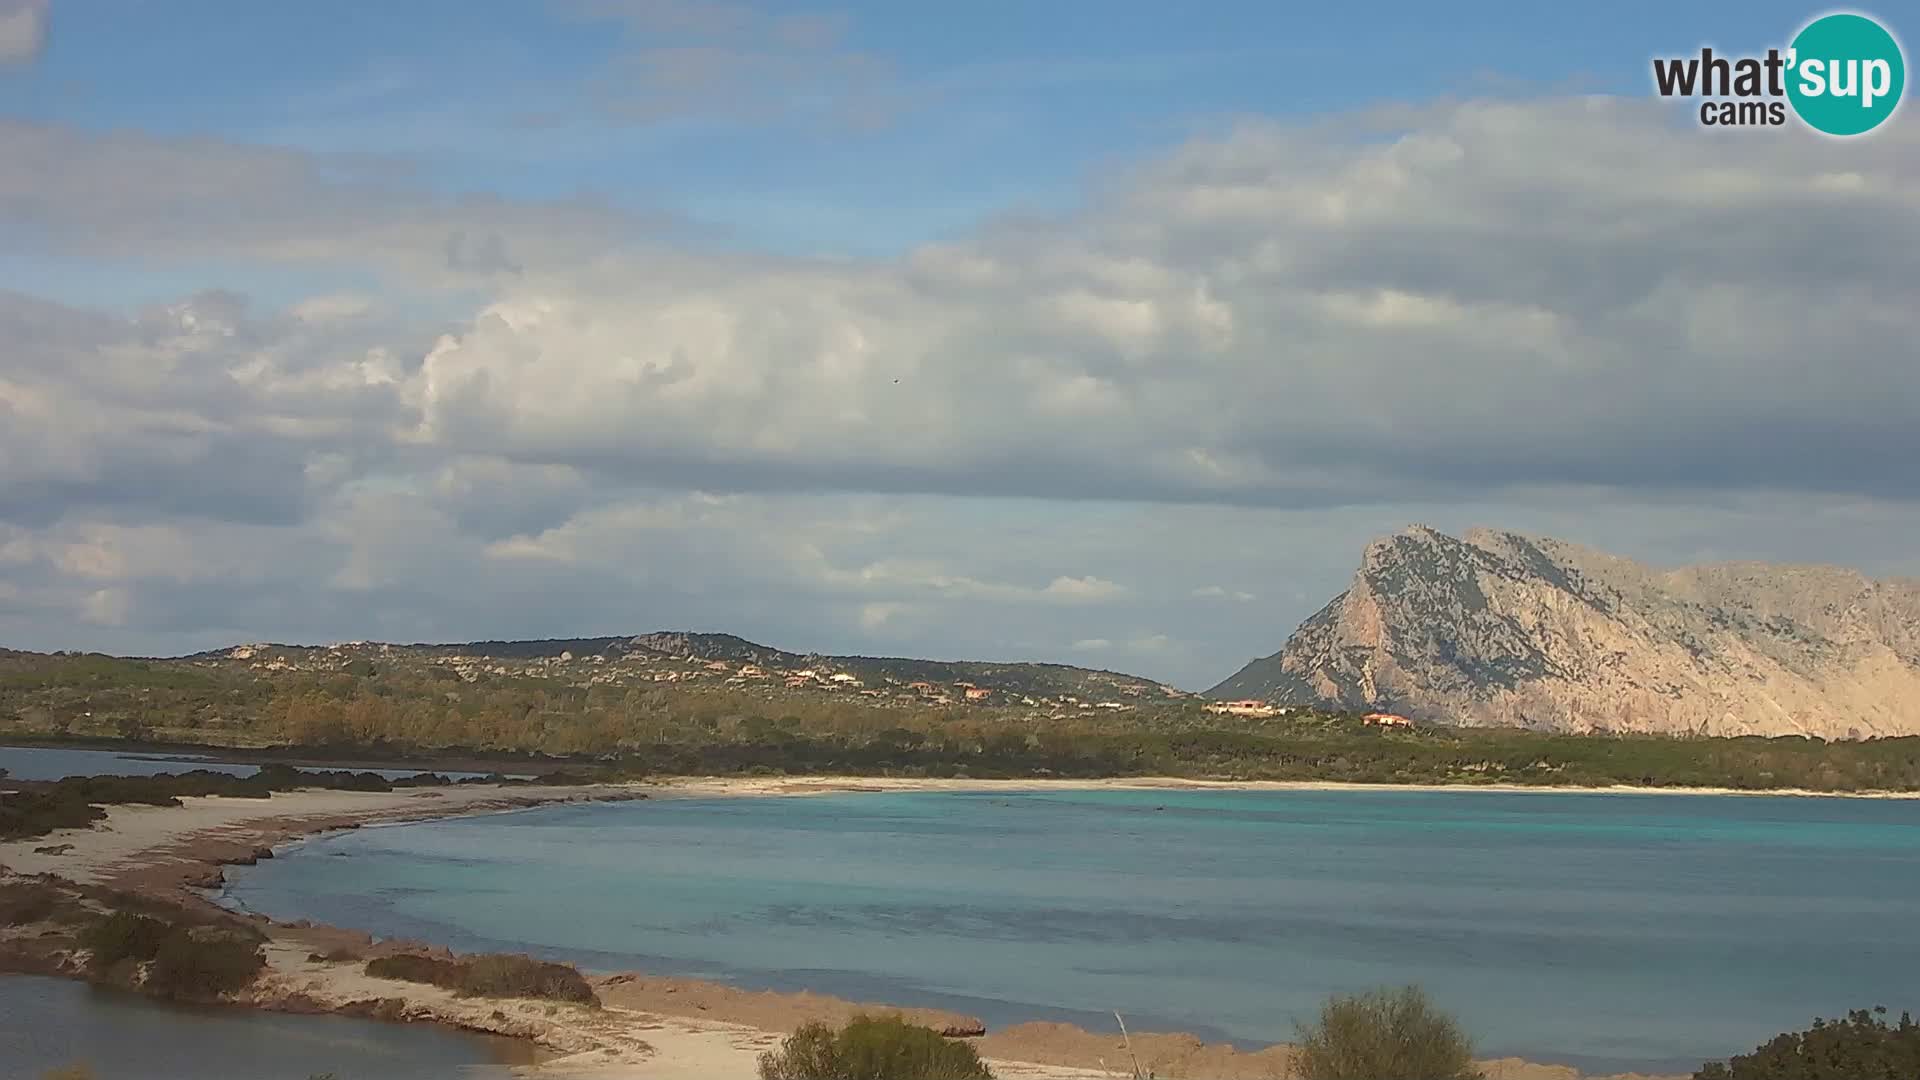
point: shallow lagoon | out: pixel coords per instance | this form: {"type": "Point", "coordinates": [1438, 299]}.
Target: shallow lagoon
{"type": "Point", "coordinates": [1607, 931]}
{"type": "Point", "coordinates": [46, 1023]}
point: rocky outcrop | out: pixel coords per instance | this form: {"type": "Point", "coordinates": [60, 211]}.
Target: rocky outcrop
{"type": "Point", "coordinates": [1502, 629]}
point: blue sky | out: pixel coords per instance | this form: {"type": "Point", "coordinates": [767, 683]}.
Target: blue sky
{"type": "Point", "coordinates": [992, 106]}
{"type": "Point", "coordinates": [1107, 333]}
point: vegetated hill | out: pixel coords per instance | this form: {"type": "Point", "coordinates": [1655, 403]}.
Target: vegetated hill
{"type": "Point", "coordinates": [995, 683]}
{"type": "Point", "coordinates": [1502, 629]}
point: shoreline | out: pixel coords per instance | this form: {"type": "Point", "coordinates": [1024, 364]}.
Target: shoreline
{"type": "Point", "coordinates": [803, 783]}
{"type": "Point", "coordinates": [824, 785]}
{"type": "Point", "coordinates": [650, 1028]}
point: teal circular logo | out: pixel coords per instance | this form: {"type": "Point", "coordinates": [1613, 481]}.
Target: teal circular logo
{"type": "Point", "coordinates": [1845, 74]}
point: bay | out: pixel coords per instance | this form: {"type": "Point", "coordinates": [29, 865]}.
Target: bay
{"type": "Point", "coordinates": [1606, 931]}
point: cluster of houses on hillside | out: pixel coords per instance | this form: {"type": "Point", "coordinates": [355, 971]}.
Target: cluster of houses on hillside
{"type": "Point", "coordinates": [1254, 707]}
{"type": "Point", "coordinates": [1247, 707]}
{"type": "Point", "coordinates": [636, 668]}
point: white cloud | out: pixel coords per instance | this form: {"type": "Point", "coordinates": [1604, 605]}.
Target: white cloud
{"type": "Point", "coordinates": [1232, 365]}
{"type": "Point", "coordinates": [1274, 316]}
{"type": "Point", "coordinates": [876, 616]}
{"type": "Point", "coordinates": [1220, 592]}
{"type": "Point", "coordinates": [1082, 589]}
{"type": "Point", "coordinates": [23, 30]}
{"type": "Point", "coordinates": [107, 607]}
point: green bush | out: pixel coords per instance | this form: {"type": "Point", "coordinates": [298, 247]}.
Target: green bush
{"type": "Point", "coordinates": [419, 969]}
{"type": "Point", "coordinates": [522, 976]}
{"type": "Point", "coordinates": [122, 936]}
{"type": "Point", "coordinates": [872, 1048]}
{"type": "Point", "coordinates": [490, 975]}
{"type": "Point", "coordinates": [193, 966]}
{"type": "Point", "coordinates": [1385, 1035]}
{"type": "Point", "coordinates": [1861, 1047]}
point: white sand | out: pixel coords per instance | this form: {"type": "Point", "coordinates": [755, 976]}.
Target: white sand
{"type": "Point", "coordinates": [139, 837]}
{"type": "Point", "coordinates": [817, 785]}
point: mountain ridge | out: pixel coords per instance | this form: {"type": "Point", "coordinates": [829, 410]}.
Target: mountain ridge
{"type": "Point", "coordinates": [1016, 678]}
{"type": "Point", "coordinates": [1502, 629]}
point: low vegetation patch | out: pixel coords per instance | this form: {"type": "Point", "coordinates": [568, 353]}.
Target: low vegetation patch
{"type": "Point", "coordinates": [122, 935]}
{"type": "Point", "coordinates": [170, 952]}
{"type": "Point", "coordinates": [40, 807]}
{"type": "Point", "coordinates": [872, 1048]}
{"type": "Point", "coordinates": [1861, 1047]}
{"type": "Point", "coordinates": [490, 975]}
{"type": "Point", "coordinates": [1382, 1034]}
{"type": "Point", "coordinates": [23, 903]}
{"type": "Point", "coordinates": [200, 964]}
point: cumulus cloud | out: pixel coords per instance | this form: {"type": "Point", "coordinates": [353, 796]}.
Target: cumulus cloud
{"type": "Point", "coordinates": [1229, 366]}
{"type": "Point", "coordinates": [23, 31]}
{"type": "Point", "coordinates": [107, 607]}
{"type": "Point", "coordinates": [1501, 295]}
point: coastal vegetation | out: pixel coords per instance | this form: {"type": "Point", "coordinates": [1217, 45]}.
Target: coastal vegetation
{"type": "Point", "coordinates": [1381, 1034]}
{"type": "Point", "coordinates": [180, 960]}
{"type": "Point", "coordinates": [157, 947]}
{"type": "Point", "coordinates": [204, 964]}
{"type": "Point", "coordinates": [872, 1048]}
{"type": "Point", "coordinates": [413, 708]}
{"type": "Point", "coordinates": [489, 975]}
{"type": "Point", "coordinates": [1864, 1046]}
{"type": "Point", "coordinates": [39, 807]}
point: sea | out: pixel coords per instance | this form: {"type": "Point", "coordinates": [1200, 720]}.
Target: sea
{"type": "Point", "coordinates": [1611, 932]}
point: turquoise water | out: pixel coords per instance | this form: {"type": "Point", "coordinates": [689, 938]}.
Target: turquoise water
{"type": "Point", "coordinates": [54, 763]}
{"type": "Point", "coordinates": [48, 1023]}
{"type": "Point", "coordinates": [1610, 932]}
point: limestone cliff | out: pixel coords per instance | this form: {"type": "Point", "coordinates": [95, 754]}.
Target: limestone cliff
{"type": "Point", "coordinates": [1502, 629]}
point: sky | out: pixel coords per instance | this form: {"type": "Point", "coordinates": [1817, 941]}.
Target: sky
{"type": "Point", "coordinates": [1101, 333]}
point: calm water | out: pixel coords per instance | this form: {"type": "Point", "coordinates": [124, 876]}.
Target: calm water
{"type": "Point", "coordinates": [47, 1023]}
{"type": "Point", "coordinates": [1605, 931]}
{"type": "Point", "coordinates": [45, 763]}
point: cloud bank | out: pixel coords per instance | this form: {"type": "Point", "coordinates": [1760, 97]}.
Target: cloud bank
{"type": "Point", "coordinates": [1309, 331]}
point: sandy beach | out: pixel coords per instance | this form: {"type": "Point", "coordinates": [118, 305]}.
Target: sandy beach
{"type": "Point", "coordinates": [820, 785]}
{"type": "Point", "coordinates": [649, 1028]}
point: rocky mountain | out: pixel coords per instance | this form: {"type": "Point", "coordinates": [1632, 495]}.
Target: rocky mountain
{"type": "Point", "coordinates": [1503, 629]}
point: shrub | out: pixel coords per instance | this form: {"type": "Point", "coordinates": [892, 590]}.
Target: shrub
{"type": "Point", "coordinates": [1385, 1035]}
{"type": "Point", "coordinates": [26, 902]}
{"type": "Point", "coordinates": [195, 966]}
{"type": "Point", "coordinates": [872, 1048]}
{"type": "Point", "coordinates": [490, 975]}
{"type": "Point", "coordinates": [522, 976]}
{"type": "Point", "coordinates": [1861, 1047]}
{"type": "Point", "coordinates": [419, 969]}
{"type": "Point", "coordinates": [122, 936]}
